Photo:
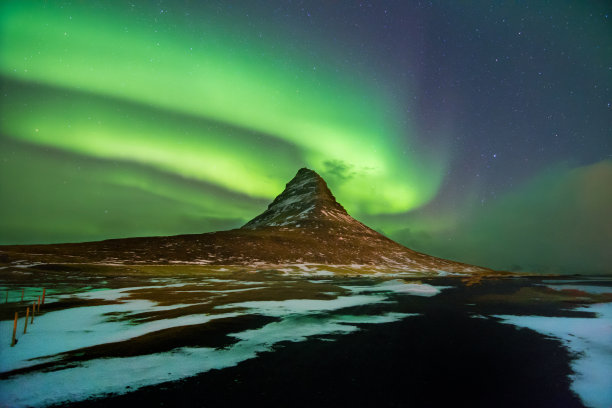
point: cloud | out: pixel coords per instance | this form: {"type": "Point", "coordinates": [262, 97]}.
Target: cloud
{"type": "Point", "coordinates": [337, 171]}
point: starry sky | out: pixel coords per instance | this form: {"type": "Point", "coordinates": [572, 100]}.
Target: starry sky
{"type": "Point", "coordinates": [477, 131]}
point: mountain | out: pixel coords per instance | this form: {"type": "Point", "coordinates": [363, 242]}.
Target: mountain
{"type": "Point", "coordinates": [303, 225]}
{"type": "Point", "coordinates": [307, 203]}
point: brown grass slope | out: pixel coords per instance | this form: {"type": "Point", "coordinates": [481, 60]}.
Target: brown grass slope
{"type": "Point", "coordinates": [304, 224]}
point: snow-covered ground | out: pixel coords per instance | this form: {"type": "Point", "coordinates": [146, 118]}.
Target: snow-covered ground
{"type": "Point", "coordinates": [115, 315]}
{"type": "Point", "coordinates": [74, 328]}
{"type": "Point", "coordinates": [79, 327]}
{"type": "Point", "coordinates": [399, 286]}
{"type": "Point", "coordinates": [591, 340]}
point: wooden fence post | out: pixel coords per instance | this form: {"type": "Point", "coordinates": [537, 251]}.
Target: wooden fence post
{"type": "Point", "coordinates": [14, 329]}
{"type": "Point", "coordinates": [22, 291]}
{"type": "Point", "coordinates": [25, 328]}
{"type": "Point", "coordinates": [38, 306]}
{"type": "Point", "coordinates": [43, 298]}
{"type": "Point", "coordinates": [33, 312]}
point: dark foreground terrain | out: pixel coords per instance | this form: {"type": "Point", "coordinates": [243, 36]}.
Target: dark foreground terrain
{"type": "Point", "coordinates": [304, 337]}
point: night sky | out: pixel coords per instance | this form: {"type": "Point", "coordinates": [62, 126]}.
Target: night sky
{"type": "Point", "coordinates": [477, 131]}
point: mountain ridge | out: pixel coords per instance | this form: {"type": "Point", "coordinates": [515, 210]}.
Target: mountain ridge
{"type": "Point", "coordinates": [306, 202]}
{"type": "Point", "coordinates": [302, 225]}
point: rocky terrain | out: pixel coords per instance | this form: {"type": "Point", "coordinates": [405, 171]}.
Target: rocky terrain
{"type": "Point", "coordinates": [303, 225]}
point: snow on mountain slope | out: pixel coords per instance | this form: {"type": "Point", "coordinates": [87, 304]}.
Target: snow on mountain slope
{"type": "Point", "coordinates": [303, 225]}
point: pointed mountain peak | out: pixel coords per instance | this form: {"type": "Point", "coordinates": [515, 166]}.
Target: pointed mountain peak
{"type": "Point", "coordinates": [303, 225]}
{"type": "Point", "coordinates": [305, 198]}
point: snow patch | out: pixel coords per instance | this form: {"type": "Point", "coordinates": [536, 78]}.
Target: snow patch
{"type": "Point", "coordinates": [399, 286]}
{"type": "Point", "coordinates": [590, 339]}
{"type": "Point", "coordinates": [303, 306]}
{"type": "Point", "coordinates": [70, 329]}
{"type": "Point", "coordinates": [301, 319]}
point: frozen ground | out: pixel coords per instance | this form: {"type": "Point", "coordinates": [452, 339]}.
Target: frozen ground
{"type": "Point", "coordinates": [591, 340]}
{"type": "Point", "coordinates": [75, 349]}
{"type": "Point", "coordinates": [76, 328]}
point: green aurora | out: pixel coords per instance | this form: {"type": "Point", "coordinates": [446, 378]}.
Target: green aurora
{"type": "Point", "coordinates": [479, 133]}
{"type": "Point", "coordinates": [211, 107]}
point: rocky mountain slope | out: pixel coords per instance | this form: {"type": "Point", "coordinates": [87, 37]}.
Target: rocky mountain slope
{"type": "Point", "coordinates": [303, 225]}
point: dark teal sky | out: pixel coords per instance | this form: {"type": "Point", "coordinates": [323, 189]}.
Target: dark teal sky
{"type": "Point", "coordinates": [479, 132]}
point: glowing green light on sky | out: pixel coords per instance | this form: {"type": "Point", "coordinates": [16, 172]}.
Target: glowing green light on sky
{"type": "Point", "coordinates": [212, 103]}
